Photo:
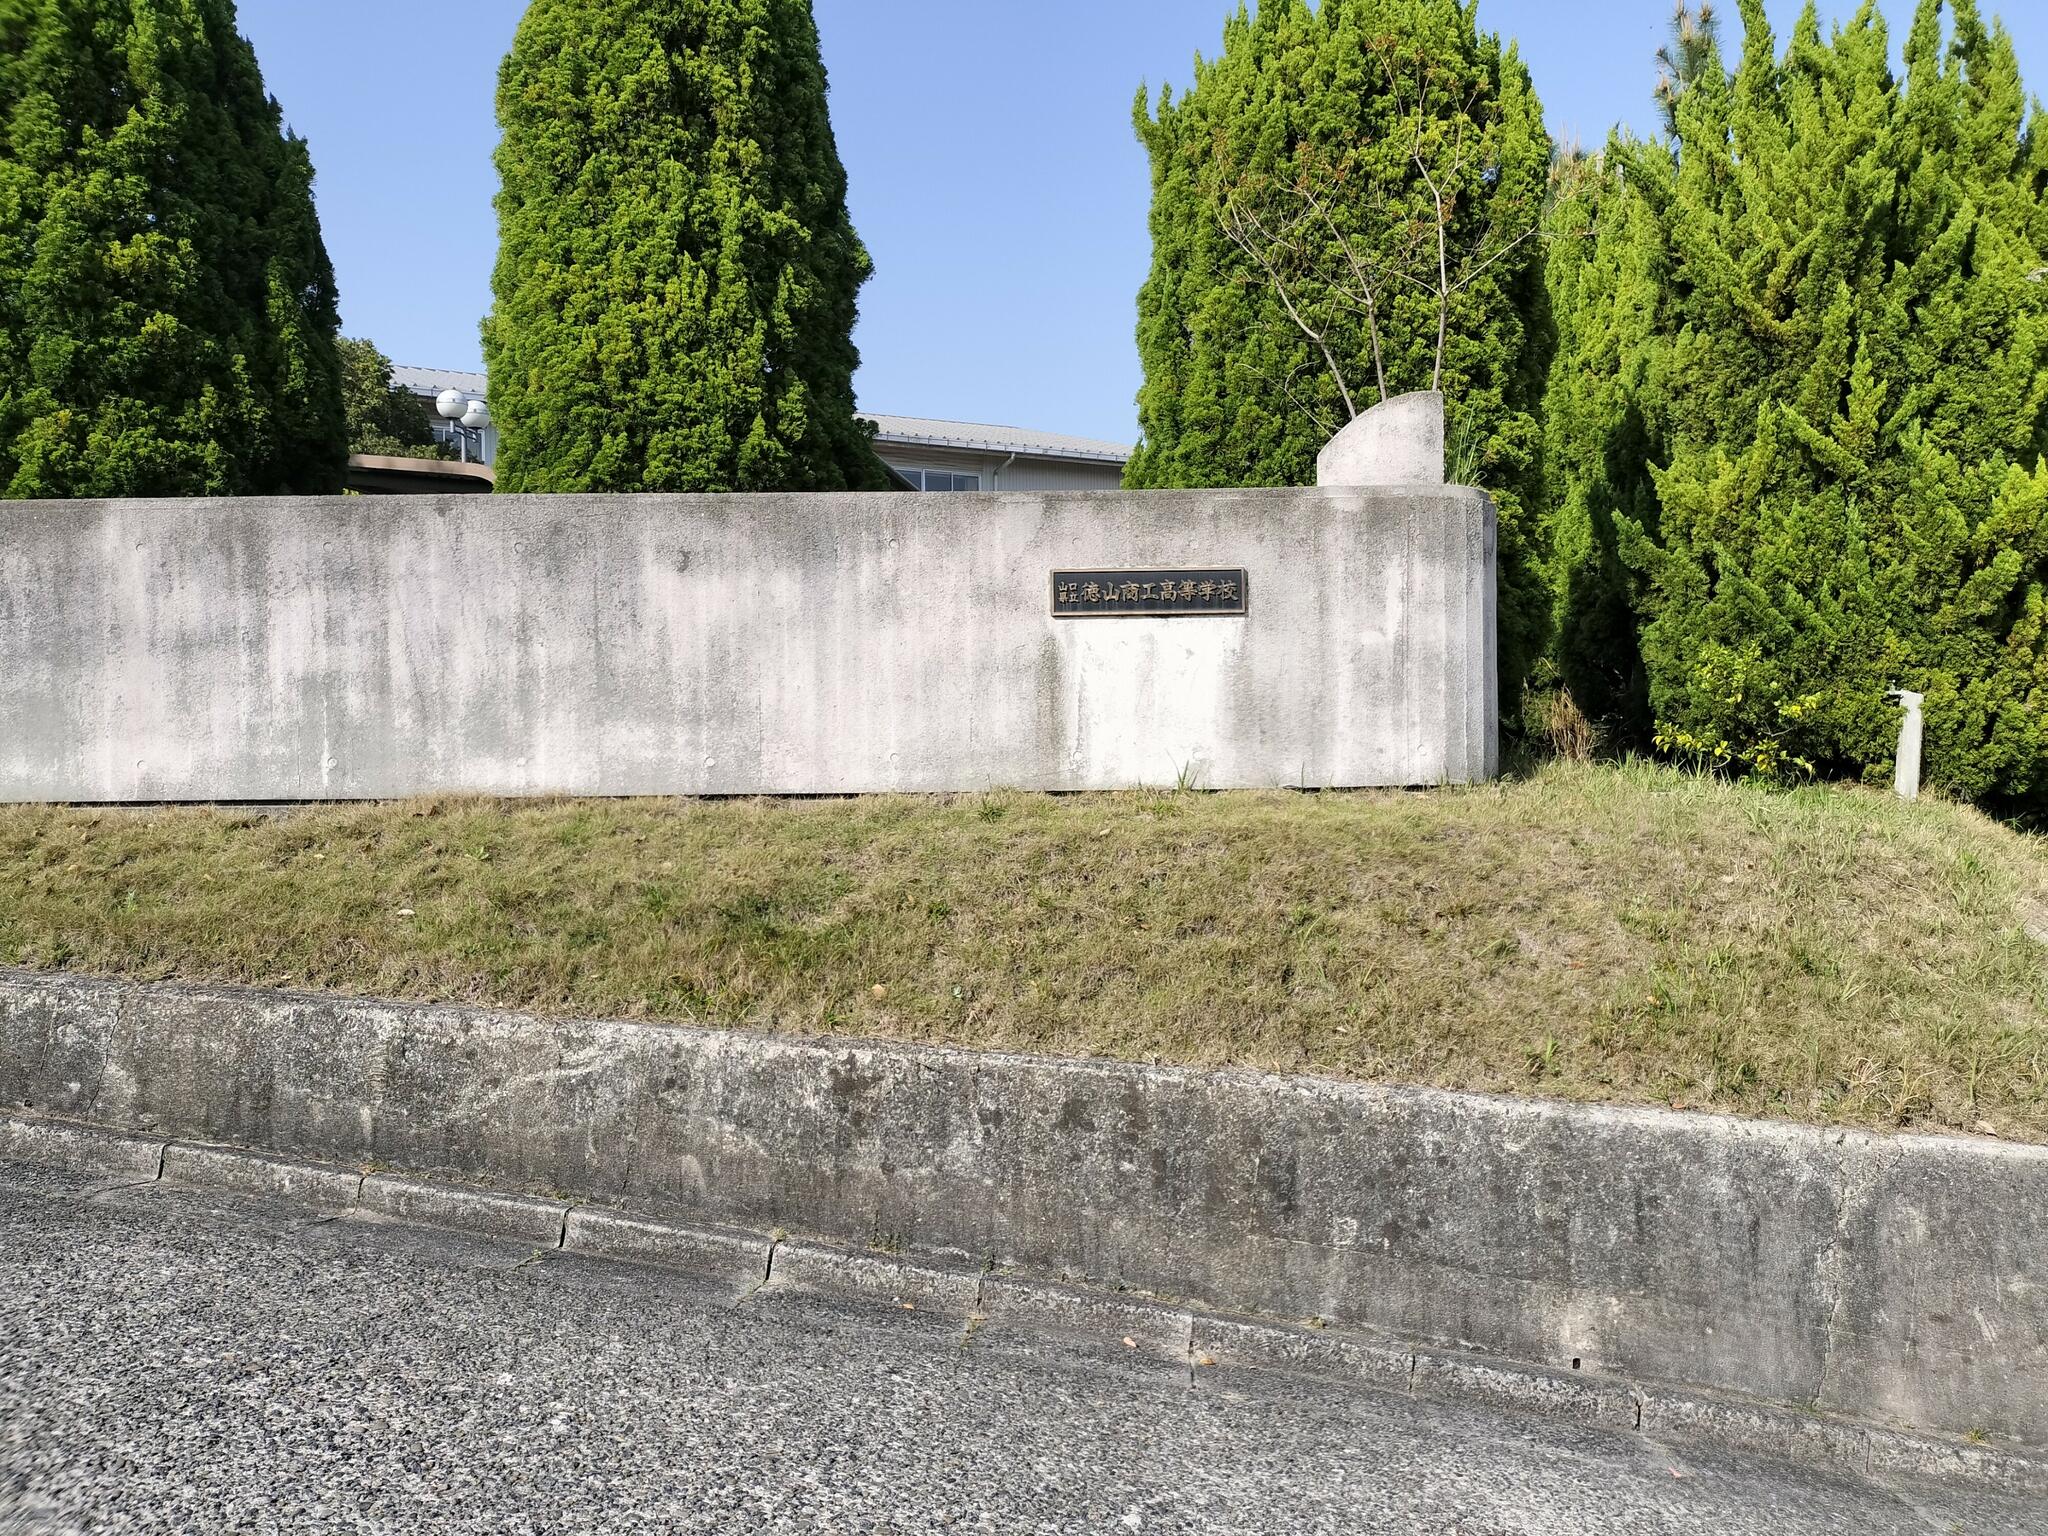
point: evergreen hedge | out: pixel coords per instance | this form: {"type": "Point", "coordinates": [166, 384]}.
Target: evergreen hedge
{"type": "Point", "coordinates": [1604, 273]}
{"type": "Point", "coordinates": [1819, 321]}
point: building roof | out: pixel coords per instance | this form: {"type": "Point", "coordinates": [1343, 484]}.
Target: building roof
{"type": "Point", "coordinates": [895, 431]}
{"type": "Point", "coordinates": [431, 381]}
{"type": "Point", "coordinates": [920, 431]}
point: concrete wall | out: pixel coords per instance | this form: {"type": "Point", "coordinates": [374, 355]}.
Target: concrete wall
{"type": "Point", "coordinates": [371, 648]}
{"type": "Point", "coordinates": [1398, 442]}
{"type": "Point", "coordinates": [1899, 1279]}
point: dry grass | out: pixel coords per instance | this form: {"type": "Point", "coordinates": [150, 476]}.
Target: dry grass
{"type": "Point", "coordinates": [1556, 721]}
{"type": "Point", "coordinates": [1624, 934]}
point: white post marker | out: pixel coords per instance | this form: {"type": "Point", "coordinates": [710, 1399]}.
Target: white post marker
{"type": "Point", "coordinates": [1912, 737]}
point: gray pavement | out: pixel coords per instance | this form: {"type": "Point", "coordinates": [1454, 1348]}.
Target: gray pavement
{"type": "Point", "coordinates": [193, 1362]}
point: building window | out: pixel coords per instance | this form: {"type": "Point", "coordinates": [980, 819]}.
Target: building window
{"type": "Point", "coordinates": [940, 480]}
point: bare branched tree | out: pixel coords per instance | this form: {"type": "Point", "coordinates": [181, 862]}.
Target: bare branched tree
{"type": "Point", "coordinates": [1339, 243]}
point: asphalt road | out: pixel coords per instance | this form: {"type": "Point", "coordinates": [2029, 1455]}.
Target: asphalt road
{"type": "Point", "coordinates": [176, 1361]}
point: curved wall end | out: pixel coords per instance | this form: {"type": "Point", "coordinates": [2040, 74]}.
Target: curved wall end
{"type": "Point", "coordinates": [1398, 442]}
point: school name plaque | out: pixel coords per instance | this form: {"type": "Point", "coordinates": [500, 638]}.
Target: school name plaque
{"type": "Point", "coordinates": [1148, 594]}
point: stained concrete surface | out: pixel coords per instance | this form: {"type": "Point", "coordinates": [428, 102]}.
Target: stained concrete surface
{"type": "Point", "coordinates": [1881, 1278]}
{"type": "Point", "coordinates": [197, 1362]}
{"type": "Point", "coordinates": [378, 647]}
{"type": "Point", "coordinates": [1398, 442]}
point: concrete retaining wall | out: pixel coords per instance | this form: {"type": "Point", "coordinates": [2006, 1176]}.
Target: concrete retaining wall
{"type": "Point", "coordinates": [382, 647]}
{"type": "Point", "coordinates": [1895, 1279]}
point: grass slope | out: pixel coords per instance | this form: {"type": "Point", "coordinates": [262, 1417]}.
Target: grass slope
{"type": "Point", "coordinates": [1630, 934]}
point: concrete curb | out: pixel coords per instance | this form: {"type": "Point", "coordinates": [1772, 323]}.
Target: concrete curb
{"type": "Point", "coordinates": [82, 1148]}
{"type": "Point", "coordinates": [1893, 1280]}
{"type": "Point", "coordinates": [1207, 1348]}
{"type": "Point", "coordinates": [257, 1173]}
{"type": "Point", "coordinates": [543, 1223]}
{"type": "Point", "coordinates": [742, 1257]}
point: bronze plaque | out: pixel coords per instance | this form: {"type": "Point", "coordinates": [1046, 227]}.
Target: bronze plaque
{"type": "Point", "coordinates": [1148, 594]}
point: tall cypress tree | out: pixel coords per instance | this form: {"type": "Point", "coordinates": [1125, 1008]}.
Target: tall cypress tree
{"type": "Point", "coordinates": [1855, 375]}
{"type": "Point", "coordinates": [1603, 424]}
{"type": "Point", "coordinates": [167, 308]}
{"type": "Point", "coordinates": [678, 273]}
{"type": "Point", "coordinates": [1258, 341]}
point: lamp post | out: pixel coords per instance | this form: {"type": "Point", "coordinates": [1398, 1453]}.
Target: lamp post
{"type": "Point", "coordinates": [470, 419]}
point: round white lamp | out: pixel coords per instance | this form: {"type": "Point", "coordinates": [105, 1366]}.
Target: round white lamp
{"type": "Point", "coordinates": [451, 403]}
{"type": "Point", "coordinates": [477, 416]}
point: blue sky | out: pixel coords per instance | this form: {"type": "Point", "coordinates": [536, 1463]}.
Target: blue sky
{"type": "Point", "coordinates": [994, 173]}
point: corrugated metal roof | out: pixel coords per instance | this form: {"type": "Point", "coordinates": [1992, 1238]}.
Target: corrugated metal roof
{"type": "Point", "coordinates": [913, 430]}
{"type": "Point", "coordinates": [899, 431]}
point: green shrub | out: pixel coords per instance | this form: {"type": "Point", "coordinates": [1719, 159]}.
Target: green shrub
{"type": "Point", "coordinates": [383, 418]}
{"type": "Point", "coordinates": [1838, 379]}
